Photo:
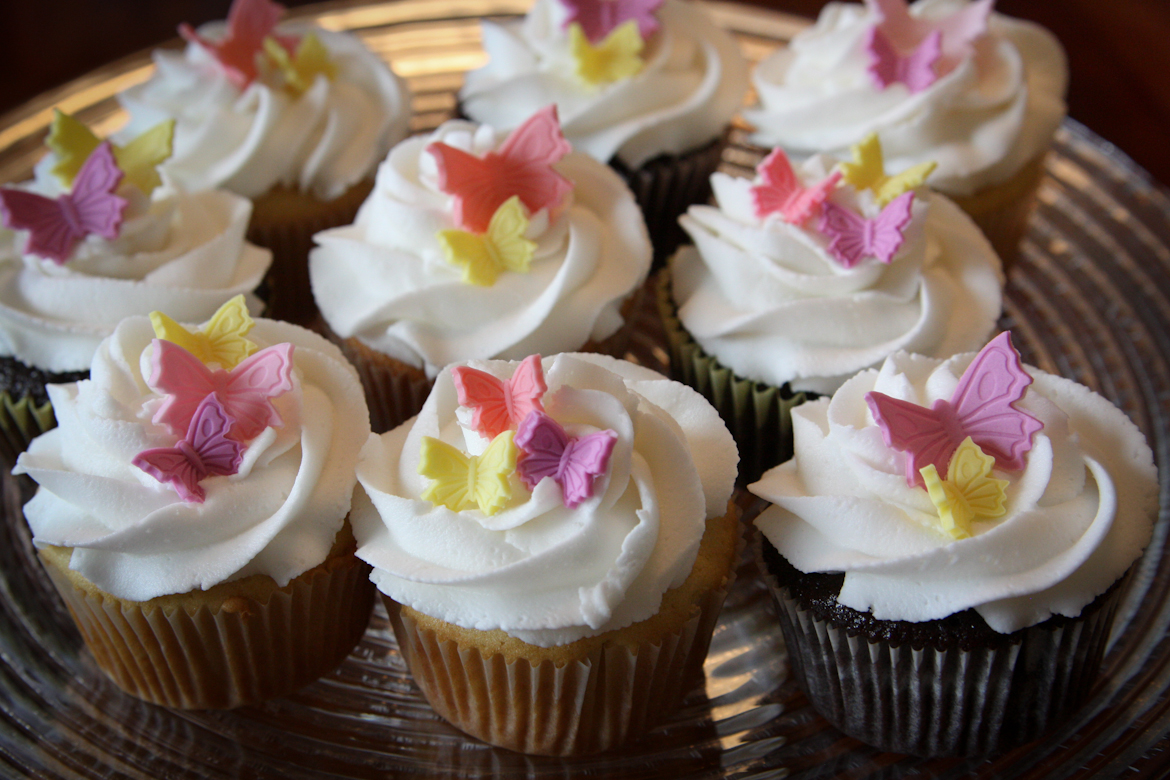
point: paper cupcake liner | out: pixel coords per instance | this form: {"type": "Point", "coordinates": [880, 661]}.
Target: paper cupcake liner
{"type": "Point", "coordinates": [241, 653]}
{"type": "Point", "coordinates": [21, 421]}
{"type": "Point", "coordinates": [284, 220]}
{"type": "Point", "coordinates": [1002, 211]}
{"type": "Point", "coordinates": [940, 702]}
{"type": "Point", "coordinates": [395, 391]}
{"type": "Point", "coordinates": [759, 416]}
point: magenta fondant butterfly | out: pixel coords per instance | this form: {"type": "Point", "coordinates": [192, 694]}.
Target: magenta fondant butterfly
{"type": "Point", "coordinates": [249, 22]}
{"type": "Point", "coordinates": [853, 238]}
{"type": "Point", "coordinates": [522, 166]}
{"type": "Point", "coordinates": [888, 65]}
{"type": "Point", "coordinates": [205, 451]}
{"type": "Point", "coordinates": [55, 226]}
{"type": "Point", "coordinates": [957, 31]}
{"type": "Point", "coordinates": [496, 405]}
{"type": "Point", "coordinates": [598, 18]}
{"type": "Point", "coordinates": [783, 193]}
{"type": "Point", "coordinates": [246, 391]}
{"type": "Point", "coordinates": [547, 451]}
{"type": "Point", "coordinates": [981, 407]}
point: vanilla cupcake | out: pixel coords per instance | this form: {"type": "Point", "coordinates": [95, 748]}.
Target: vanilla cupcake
{"type": "Point", "coordinates": [563, 602]}
{"type": "Point", "coordinates": [192, 508]}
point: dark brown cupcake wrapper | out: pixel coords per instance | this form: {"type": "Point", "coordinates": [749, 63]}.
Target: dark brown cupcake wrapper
{"type": "Point", "coordinates": [21, 421]}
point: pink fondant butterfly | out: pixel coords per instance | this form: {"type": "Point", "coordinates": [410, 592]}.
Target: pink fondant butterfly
{"type": "Point", "coordinates": [958, 30]}
{"type": "Point", "coordinates": [205, 451]}
{"type": "Point", "coordinates": [783, 193]}
{"type": "Point", "coordinates": [249, 22]}
{"type": "Point", "coordinates": [852, 237]}
{"type": "Point", "coordinates": [55, 226]}
{"type": "Point", "coordinates": [598, 18]}
{"type": "Point", "coordinates": [498, 406]}
{"type": "Point", "coordinates": [887, 65]}
{"type": "Point", "coordinates": [547, 451]}
{"type": "Point", "coordinates": [981, 407]}
{"type": "Point", "coordinates": [245, 391]}
{"type": "Point", "coordinates": [522, 166]}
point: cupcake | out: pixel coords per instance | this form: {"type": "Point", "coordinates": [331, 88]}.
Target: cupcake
{"type": "Point", "coordinates": [946, 81]}
{"type": "Point", "coordinates": [561, 601]}
{"type": "Point", "coordinates": [648, 87]}
{"type": "Point", "coordinates": [192, 508]}
{"type": "Point", "coordinates": [798, 280]}
{"type": "Point", "coordinates": [139, 244]}
{"type": "Point", "coordinates": [291, 116]}
{"type": "Point", "coordinates": [476, 245]}
{"type": "Point", "coordinates": [948, 548]}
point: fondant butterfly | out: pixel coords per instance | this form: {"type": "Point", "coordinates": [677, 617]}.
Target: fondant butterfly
{"type": "Point", "coordinates": [522, 166]}
{"type": "Point", "coordinates": [981, 407]}
{"type": "Point", "coordinates": [246, 391]}
{"type": "Point", "coordinates": [497, 406]}
{"type": "Point", "coordinates": [502, 248]}
{"type": "Point", "coordinates": [598, 18]}
{"type": "Point", "coordinates": [300, 70]}
{"type": "Point", "coordinates": [460, 481]}
{"type": "Point", "coordinates": [852, 237]}
{"type": "Point", "coordinates": [958, 30]}
{"type": "Point", "coordinates": [783, 193]}
{"type": "Point", "coordinates": [888, 65]}
{"type": "Point", "coordinates": [220, 341]}
{"type": "Point", "coordinates": [249, 22]}
{"type": "Point", "coordinates": [73, 143]}
{"type": "Point", "coordinates": [547, 451]}
{"type": "Point", "coordinates": [868, 172]}
{"type": "Point", "coordinates": [968, 492]}
{"type": "Point", "coordinates": [204, 451]}
{"type": "Point", "coordinates": [55, 226]}
{"type": "Point", "coordinates": [615, 58]}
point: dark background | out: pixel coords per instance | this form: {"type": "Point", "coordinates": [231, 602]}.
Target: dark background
{"type": "Point", "coordinates": [1118, 52]}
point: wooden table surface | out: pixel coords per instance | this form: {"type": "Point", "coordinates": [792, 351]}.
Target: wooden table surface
{"type": "Point", "coordinates": [1119, 59]}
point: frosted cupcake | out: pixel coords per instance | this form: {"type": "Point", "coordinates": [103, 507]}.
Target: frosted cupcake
{"type": "Point", "coordinates": [139, 245]}
{"type": "Point", "coordinates": [476, 245]}
{"type": "Point", "coordinates": [291, 116]}
{"type": "Point", "coordinates": [649, 87]}
{"type": "Point", "coordinates": [968, 524]}
{"type": "Point", "coordinates": [946, 81]}
{"type": "Point", "coordinates": [798, 280]}
{"type": "Point", "coordinates": [561, 601]}
{"type": "Point", "coordinates": [192, 508]}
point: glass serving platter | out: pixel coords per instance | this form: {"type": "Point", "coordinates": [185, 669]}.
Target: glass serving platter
{"type": "Point", "coordinates": [1089, 299]}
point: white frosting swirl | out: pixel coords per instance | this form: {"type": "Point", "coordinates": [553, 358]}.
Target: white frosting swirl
{"type": "Point", "coordinates": [693, 81]}
{"type": "Point", "coordinates": [322, 142]}
{"type": "Point", "coordinates": [1078, 515]}
{"type": "Point", "coordinates": [981, 122]}
{"type": "Point", "coordinates": [386, 280]}
{"type": "Point", "coordinates": [133, 536]}
{"type": "Point", "coordinates": [541, 572]}
{"type": "Point", "coordinates": [768, 300]}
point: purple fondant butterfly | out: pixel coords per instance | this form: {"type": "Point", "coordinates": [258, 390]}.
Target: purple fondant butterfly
{"type": "Point", "coordinates": [889, 66]}
{"type": "Point", "coordinates": [205, 451]}
{"type": "Point", "coordinates": [547, 451]}
{"type": "Point", "coordinates": [981, 407]}
{"type": "Point", "coordinates": [853, 238]}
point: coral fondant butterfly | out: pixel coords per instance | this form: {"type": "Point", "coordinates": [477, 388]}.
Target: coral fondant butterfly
{"type": "Point", "coordinates": [783, 193]}
{"type": "Point", "coordinates": [522, 166]}
{"type": "Point", "coordinates": [615, 58]}
{"type": "Point", "coordinates": [958, 31]}
{"type": "Point", "coordinates": [969, 491]}
{"type": "Point", "coordinates": [502, 248]}
{"type": "Point", "coordinates": [246, 391]}
{"type": "Point", "coordinates": [599, 18]}
{"type": "Point", "coordinates": [981, 407]}
{"type": "Point", "coordinates": [500, 405]}
{"type": "Point", "coordinates": [55, 226]}
{"type": "Point", "coordinates": [249, 22]}
{"type": "Point", "coordinates": [547, 451]}
{"type": "Point", "coordinates": [853, 238]}
{"type": "Point", "coordinates": [204, 451]}
{"type": "Point", "coordinates": [73, 143]}
{"type": "Point", "coordinates": [310, 60]}
{"type": "Point", "coordinates": [888, 65]}
{"type": "Point", "coordinates": [221, 341]}
{"type": "Point", "coordinates": [868, 172]}
{"type": "Point", "coordinates": [460, 481]}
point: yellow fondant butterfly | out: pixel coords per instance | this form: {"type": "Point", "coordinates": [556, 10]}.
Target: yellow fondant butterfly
{"type": "Point", "coordinates": [617, 57]}
{"type": "Point", "coordinates": [461, 481]}
{"type": "Point", "coordinates": [138, 160]}
{"type": "Point", "coordinates": [301, 70]}
{"type": "Point", "coordinates": [221, 341]}
{"type": "Point", "coordinates": [868, 172]}
{"type": "Point", "coordinates": [502, 248]}
{"type": "Point", "coordinates": [969, 491]}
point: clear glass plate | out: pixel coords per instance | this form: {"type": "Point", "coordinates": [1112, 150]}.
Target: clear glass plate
{"type": "Point", "coordinates": [1089, 299]}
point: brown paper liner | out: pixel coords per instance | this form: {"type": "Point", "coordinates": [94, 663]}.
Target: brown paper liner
{"type": "Point", "coordinates": [284, 220]}
{"type": "Point", "coordinates": [1002, 211]}
{"type": "Point", "coordinates": [233, 645]}
{"type": "Point", "coordinates": [954, 700]}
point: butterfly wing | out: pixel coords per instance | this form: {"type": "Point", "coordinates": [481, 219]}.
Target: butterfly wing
{"type": "Point", "coordinates": [183, 379]}
{"type": "Point", "coordinates": [542, 442]}
{"type": "Point", "coordinates": [584, 460]}
{"type": "Point", "coordinates": [172, 467]}
{"type": "Point", "coordinates": [249, 388]}
{"type": "Point", "coordinates": [528, 154]}
{"type": "Point", "coordinates": [477, 186]}
{"type": "Point", "coordinates": [51, 235]}
{"type": "Point", "coordinates": [98, 209]}
{"type": "Point", "coordinates": [140, 158]}
{"type": "Point", "coordinates": [916, 430]}
{"type": "Point", "coordinates": [846, 233]}
{"type": "Point", "coordinates": [224, 334]}
{"type": "Point", "coordinates": [779, 184]}
{"type": "Point", "coordinates": [885, 234]}
{"type": "Point", "coordinates": [167, 329]}
{"type": "Point", "coordinates": [447, 468]}
{"type": "Point", "coordinates": [248, 23]}
{"type": "Point", "coordinates": [208, 437]}
{"type": "Point", "coordinates": [868, 169]}
{"type": "Point", "coordinates": [484, 395]}
{"type": "Point", "coordinates": [508, 246]}
{"type": "Point", "coordinates": [525, 389]}
{"type": "Point", "coordinates": [471, 253]}
{"type": "Point", "coordinates": [887, 66]}
{"type": "Point", "coordinates": [907, 180]}
{"type": "Point", "coordinates": [616, 57]}
{"type": "Point", "coordinates": [492, 488]}
{"type": "Point", "coordinates": [970, 473]}
{"type": "Point", "coordinates": [72, 143]}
